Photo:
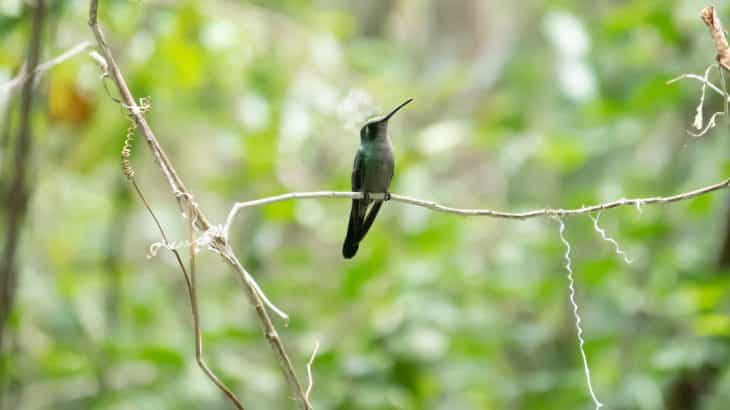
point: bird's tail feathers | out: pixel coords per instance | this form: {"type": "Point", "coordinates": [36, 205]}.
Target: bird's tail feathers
{"type": "Point", "coordinates": [349, 249]}
{"type": "Point", "coordinates": [352, 239]}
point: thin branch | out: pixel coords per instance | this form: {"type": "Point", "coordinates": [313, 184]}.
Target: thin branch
{"type": "Point", "coordinates": [11, 86]}
{"type": "Point", "coordinates": [116, 233]}
{"type": "Point", "coordinates": [207, 239]}
{"type": "Point", "coordinates": [272, 336]}
{"type": "Point", "coordinates": [638, 202]}
{"type": "Point", "coordinates": [191, 287]}
{"type": "Point", "coordinates": [185, 197]}
{"type": "Point", "coordinates": [18, 192]}
{"type": "Point", "coordinates": [135, 111]}
{"type": "Point", "coordinates": [193, 294]}
{"type": "Point", "coordinates": [16, 196]}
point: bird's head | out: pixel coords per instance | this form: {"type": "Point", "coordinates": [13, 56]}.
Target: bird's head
{"type": "Point", "coordinates": [378, 127]}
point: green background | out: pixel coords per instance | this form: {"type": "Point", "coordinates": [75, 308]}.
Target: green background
{"type": "Point", "coordinates": [518, 106]}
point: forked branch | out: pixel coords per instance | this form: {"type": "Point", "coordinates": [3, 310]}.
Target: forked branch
{"type": "Point", "coordinates": [186, 201]}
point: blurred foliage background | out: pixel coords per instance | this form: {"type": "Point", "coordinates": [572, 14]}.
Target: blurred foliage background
{"type": "Point", "coordinates": [518, 105]}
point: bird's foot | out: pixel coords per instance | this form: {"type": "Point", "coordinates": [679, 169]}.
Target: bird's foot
{"type": "Point", "coordinates": [366, 196]}
{"type": "Point", "coordinates": [386, 196]}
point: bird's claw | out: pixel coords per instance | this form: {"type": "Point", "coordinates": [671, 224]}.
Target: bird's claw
{"type": "Point", "coordinates": [366, 196]}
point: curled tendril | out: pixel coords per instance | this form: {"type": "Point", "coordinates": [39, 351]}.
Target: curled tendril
{"type": "Point", "coordinates": [143, 107]}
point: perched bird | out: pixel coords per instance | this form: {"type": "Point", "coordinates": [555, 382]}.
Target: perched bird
{"type": "Point", "coordinates": [371, 173]}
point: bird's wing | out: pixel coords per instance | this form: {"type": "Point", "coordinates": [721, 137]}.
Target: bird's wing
{"type": "Point", "coordinates": [357, 212]}
{"type": "Point", "coordinates": [358, 172]}
{"type": "Point", "coordinates": [359, 206]}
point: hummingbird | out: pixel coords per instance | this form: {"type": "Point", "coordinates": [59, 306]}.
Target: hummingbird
{"type": "Point", "coordinates": [371, 173]}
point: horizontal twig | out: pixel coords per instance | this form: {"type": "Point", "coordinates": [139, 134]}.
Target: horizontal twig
{"type": "Point", "coordinates": [473, 212]}
{"type": "Point", "coordinates": [11, 86]}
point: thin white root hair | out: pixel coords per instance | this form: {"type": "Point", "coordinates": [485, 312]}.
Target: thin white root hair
{"type": "Point", "coordinates": [310, 379]}
{"type": "Point", "coordinates": [204, 240]}
{"type": "Point", "coordinates": [576, 314]}
{"type": "Point", "coordinates": [701, 79]}
{"type": "Point", "coordinates": [710, 125]}
{"type": "Point", "coordinates": [607, 238]}
{"type": "Point", "coordinates": [698, 122]}
{"type": "Point", "coordinates": [698, 116]}
{"type": "Point", "coordinates": [173, 246]}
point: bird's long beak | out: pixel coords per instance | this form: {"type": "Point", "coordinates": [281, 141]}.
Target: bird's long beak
{"type": "Point", "coordinates": [387, 117]}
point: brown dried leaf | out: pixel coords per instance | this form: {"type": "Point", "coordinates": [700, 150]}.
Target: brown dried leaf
{"type": "Point", "coordinates": [709, 16]}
